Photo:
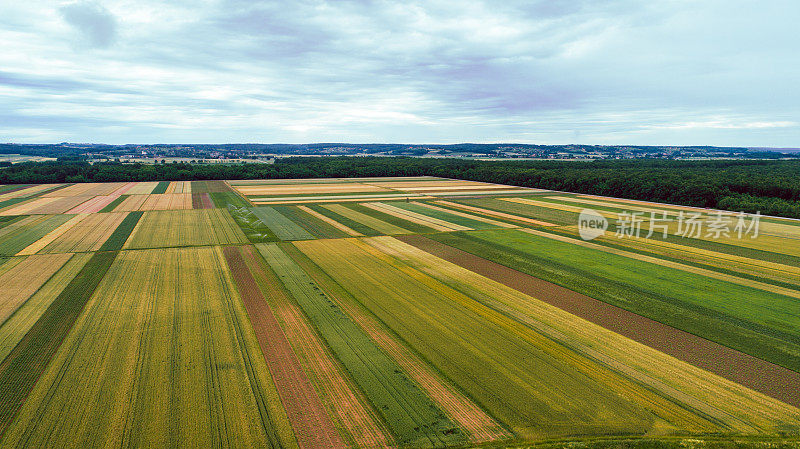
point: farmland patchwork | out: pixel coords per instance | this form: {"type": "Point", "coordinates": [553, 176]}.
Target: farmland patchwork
{"type": "Point", "coordinates": [387, 312]}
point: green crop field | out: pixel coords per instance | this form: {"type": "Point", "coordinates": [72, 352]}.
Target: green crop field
{"type": "Point", "coordinates": [388, 312]}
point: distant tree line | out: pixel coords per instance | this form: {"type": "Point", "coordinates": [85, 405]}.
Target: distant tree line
{"type": "Point", "coordinates": [772, 187]}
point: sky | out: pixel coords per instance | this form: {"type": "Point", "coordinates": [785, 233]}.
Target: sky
{"type": "Point", "coordinates": [667, 72]}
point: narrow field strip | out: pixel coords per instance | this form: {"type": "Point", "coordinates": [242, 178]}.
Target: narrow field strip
{"type": "Point", "coordinates": [22, 233]}
{"type": "Point", "coordinates": [754, 321]}
{"type": "Point", "coordinates": [209, 186]}
{"type": "Point", "coordinates": [24, 279]}
{"type": "Point", "coordinates": [284, 228]}
{"type": "Point", "coordinates": [735, 407]}
{"type": "Point", "coordinates": [372, 222]}
{"type": "Point", "coordinates": [478, 425]}
{"type": "Point", "coordinates": [312, 189]}
{"type": "Point", "coordinates": [161, 187]}
{"type": "Point", "coordinates": [774, 243]}
{"type": "Point", "coordinates": [23, 191]}
{"type": "Point", "coordinates": [123, 189]}
{"type": "Point", "coordinates": [766, 226]}
{"type": "Point", "coordinates": [746, 265]}
{"type": "Point", "coordinates": [445, 215]}
{"type": "Point", "coordinates": [320, 229]}
{"type": "Point", "coordinates": [20, 370]}
{"type": "Point", "coordinates": [411, 415]}
{"type": "Point", "coordinates": [666, 263]}
{"type": "Point", "coordinates": [93, 205]}
{"type": "Point", "coordinates": [330, 221]}
{"type": "Point", "coordinates": [131, 203]}
{"type": "Point", "coordinates": [171, 363]}
{"type": "Point", "coordinates": [518, 376]}
{"type": "Point", "coordinates": [321, 198]}
{"type": "Point", "coordinates": [9, 204]}
{"type": "Point", "coordinates": [117, 239]}
{"type": "Point", "coordinates": [494, 213]}
{"type": "Point", "coordinates": [28, 206]}
{"type": "Point", "coordinates": [113, 205]}
{"type": "Point", "coordinates": [415, 228]}
{"type": "Point", "coordinates": [339, 395]}
{"type": "Point", "coordinates": [768, 378]}
{"type": "Point", "coordinates": [434, 223]}
{"type": "Point", "coordinates": [310, 422]}
{"type": "Point", "coordinates": [496, 223]}
{"type": "Point", "coordinates": [87, 235]}
{"type": "Point", "coordinates": [38, 245]}
{"type": "Point", "coordinates": [17, 325]}
{"type": "Point", "coordinates": [202, 201]}
{"type": "Point", "coordinates": [86, 189]}
{"type": "Point", "coordinates": [352, 224]}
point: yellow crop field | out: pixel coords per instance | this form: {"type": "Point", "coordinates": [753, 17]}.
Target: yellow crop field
{"type": "Point", "coordinates": [167, 201]}
{"type": "Point", "coordinates": [142, 188]}
{"type": "Point", "coordinates": [24, 278]}
{"type": "Point", "coordinates": [381, 313]}
{"type": "Point", "coordinates": [185, 228]}
{"type": "Point", "coordinates": [149, 372]}
{"type": "Point", "coordinates": [88, 234]}
{"type": "Point", "coordinates": [431, 222]}
{"type": "Point", "coordinates": [17, 324]}
{"type": "Point", "coordinates": [374, 223]}
{"type": "Point", "coordinates": [38, 245]}
{"type": "Point", "coordinates": [732, 405]}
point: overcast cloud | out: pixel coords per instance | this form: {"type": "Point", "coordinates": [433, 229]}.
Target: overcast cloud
{"type": "Point", "coordinates": [564, 71]}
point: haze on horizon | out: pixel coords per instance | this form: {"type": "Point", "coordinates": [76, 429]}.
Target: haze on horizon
{"type": "Point", "coordinates": [673, 72]}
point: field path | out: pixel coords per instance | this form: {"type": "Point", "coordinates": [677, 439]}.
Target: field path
{"type": "Point", "coordinates": [773, 380]}
{"type": "Point", "coordinates": [312, 425]}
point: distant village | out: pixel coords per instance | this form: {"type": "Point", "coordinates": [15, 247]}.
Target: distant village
{"type": "Point", "coordinates": [267, 153]}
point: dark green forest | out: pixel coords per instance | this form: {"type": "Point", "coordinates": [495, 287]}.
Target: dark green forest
{"type": "Point", "coordinates": [771, 187]}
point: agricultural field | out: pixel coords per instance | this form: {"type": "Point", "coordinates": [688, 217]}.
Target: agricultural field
{"type": "Point", "coordinates": [412, 312]}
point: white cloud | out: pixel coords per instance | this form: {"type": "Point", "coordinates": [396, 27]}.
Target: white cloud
{"type": "Point", "coordinates": [547, 71]}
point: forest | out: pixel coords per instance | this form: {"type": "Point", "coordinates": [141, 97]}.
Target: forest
{"type": "Point", "coordinates": [769, 187]}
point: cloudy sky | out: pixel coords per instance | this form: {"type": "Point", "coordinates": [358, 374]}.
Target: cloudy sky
{"type": "Point", "coordinates": [714, 72]}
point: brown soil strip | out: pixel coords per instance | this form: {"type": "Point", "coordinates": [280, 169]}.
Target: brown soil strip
{"type": "Point", "coordinates": [343, 400]}
{"type": "Point", "coordinates": [773, 380]}
{"type": "Point", "coordinates": [202, 201]}
{"type": "Point", "coordinates": [312, 426]}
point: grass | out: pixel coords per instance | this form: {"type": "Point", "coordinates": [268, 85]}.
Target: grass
{"type": "Point", "coordinates": [117, 238]}
{"type": "Point", "coordinates": [448, 217]}
{"type": "Point", "coordinates": [148, 367]}
{"type": "Point", "coordinates": [350, 223]}
{"type": "Point", "coordinates": [21, 369]}
{"type": "Point", "coordinates": [161, 187]}
{"type": "Point", "coordinates": [18, 324]}
{"type": "Point", "coordinates": [223, 199]}
{"type": "Point", "coordinates": [315, 226]}
{"type": "Point", "coordinates": [255, 229]}
{"type": "Point", "coordinates": [691, 302]}
{"type": "Point", "coordinates": [492, 364]}
{"type": "Point", "coordinates": [367, 220]}
{"type": "Point", "coordinates": [412, 416]}
{"type": "Point", "coordinates": [281, 226]}
{"type": "Point", "coordinates": [405, 224]}
{"type": "Point", "coordinates": [19, 235]}
{"type": "Point", "coordinates": [681, 391]}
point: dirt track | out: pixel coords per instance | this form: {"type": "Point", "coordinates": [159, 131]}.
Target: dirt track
{"type": "Point", "coordinates": [773, 380]}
